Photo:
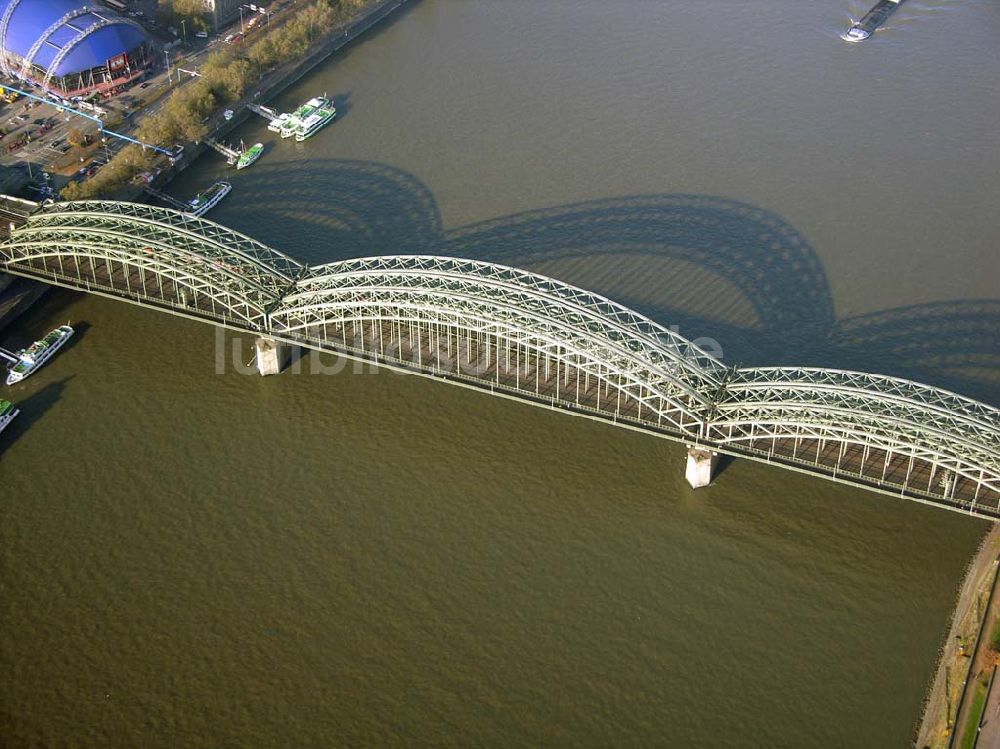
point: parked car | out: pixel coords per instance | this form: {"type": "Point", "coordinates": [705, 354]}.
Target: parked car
{"type": "Point", "coordinates": [201, 34]}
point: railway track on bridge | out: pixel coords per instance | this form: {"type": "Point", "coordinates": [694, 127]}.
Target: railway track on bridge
{"type": "Point", "coordinates": [522, 335]}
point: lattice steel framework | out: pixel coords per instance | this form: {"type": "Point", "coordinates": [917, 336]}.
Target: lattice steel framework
{"type": "Point", "coordinates": [156, 256]}
{"type": "Point", "coordinates": [532, 337]}
{"type": "Point", "coordinates": [943, 439]}
{"type": "Point", "coordinates": [669, 379]}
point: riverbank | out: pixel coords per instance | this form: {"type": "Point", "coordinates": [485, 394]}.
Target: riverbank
{"type": "Point", "coordinates": [959, 661]}
{"type": "Point", "coordinates": [277, 81]}
{"type": "Point", "coordinates": [16, 296]}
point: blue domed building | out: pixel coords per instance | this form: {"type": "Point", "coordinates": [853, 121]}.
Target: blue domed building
{"type": "Point", "coordinates": [69, 47]}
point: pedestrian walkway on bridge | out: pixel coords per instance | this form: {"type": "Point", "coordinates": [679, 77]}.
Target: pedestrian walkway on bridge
{"type": "Point", "coordinates": [523, 335]}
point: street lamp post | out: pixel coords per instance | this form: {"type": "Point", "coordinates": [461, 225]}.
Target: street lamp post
{"type": "Point", "coordinates": [184, 28]}
{"type": "Point", "coordinates": [242, 29]}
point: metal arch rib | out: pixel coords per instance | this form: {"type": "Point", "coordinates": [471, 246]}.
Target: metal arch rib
{"type": "Point", "coordinates": [208, 281]}
{"type": "Point", "coordinates": [240, 245]}
{"type": "Point", "coordinates": [526, 323]}
{"type": "Point", "coordinates": [698, 363]}
{"type": "Point", "coordinates": [865, 386]}
{"type": "Point", "coordinates": [185, 249]}
{"type": "Point", "coordinates": [53, 28]}
{"type": "Point", "coordinates": [4, 23]}
{"type": "Point", "coordinates": [80, 36]}
{"type": "Point", "coordinates": [228, 277]}
{"type": "Point", "coordinates": [800, 418]}
{"type": "Point", "coordinates": [668, 410]}
{"type": "Point", "coordinates": [575, 319]}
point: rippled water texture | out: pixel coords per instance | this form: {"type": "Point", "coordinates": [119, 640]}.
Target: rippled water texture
{"type": "Point", "coordinates": [195, 559]}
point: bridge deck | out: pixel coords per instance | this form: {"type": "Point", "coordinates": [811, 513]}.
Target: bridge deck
{"type": "Point", "coordinates": [496, 364]}
{"type": "Point", "coordinates": [510, 332]}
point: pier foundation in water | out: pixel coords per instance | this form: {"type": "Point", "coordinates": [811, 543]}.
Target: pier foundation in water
{"type": "Point", "coordinates": [271, 356]}
{"type": "Point", "coordinates": [700, 466]}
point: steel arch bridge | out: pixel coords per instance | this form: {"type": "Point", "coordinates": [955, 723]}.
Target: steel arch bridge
{"type": "Point", "coordinates": [526, 336]}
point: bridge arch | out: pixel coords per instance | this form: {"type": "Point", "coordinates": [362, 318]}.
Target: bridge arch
{"type": "Point", "coordinates": [523, 334]}
{"type": "Point", "coordinates": [509, 329]}
{"type": "Point", "coordinates": [154, 256]}
{"type": "Point", "coordinates": [886, 431]}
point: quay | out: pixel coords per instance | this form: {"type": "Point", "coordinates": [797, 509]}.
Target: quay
{"type": "Point", "coordinates": [231, 154]}
{"type": "Point", "coordinates": [17, 295]}
{"type": "Point", "coordinates": [266, 112]}
{"type": "Point", "coordinates": [293, 72]}
{"type": "Point", "coordinates": [168, 199]}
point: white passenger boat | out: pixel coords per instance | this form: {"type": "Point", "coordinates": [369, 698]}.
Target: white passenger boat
{"type": "Point", "coordinates": [323, 113]}
{"type": "Point", "coordinates": [206, 200]}
{"type": "Point", "coordinates": [31, 358]}
{"type": "Point", "coordinates": [278, 122]}
{"type": "Point", "coordinates": [7, 413]}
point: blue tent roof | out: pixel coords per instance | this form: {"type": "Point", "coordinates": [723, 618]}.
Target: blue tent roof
{"type": "Point", "coordinates": [32, 18]}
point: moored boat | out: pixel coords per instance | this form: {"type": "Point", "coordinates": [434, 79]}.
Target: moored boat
{"type": "Point", "coordinates": [206, 200]}
{"type": "Point", "coordinates": [250, 155]}
{"type": "Point", "coordinates": [31, 358]}
{"type": "Point", "coordinates": [7, 413]}
{"type": "Point", "coordinates": [324, 112]}
{"type": "Point", "coordinates": [296, 118]}
{"type": "Point", "coordinates": [278, 122]}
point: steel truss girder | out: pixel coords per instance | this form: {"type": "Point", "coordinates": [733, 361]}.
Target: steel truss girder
{"type": "Point", "coordinates": [943, 428]}
{"type": "Point", "coordinates": [177, 254]}
{"type": "Point", "coordinates": [887, 388]}
{"type": "Point", "coordinates": [459, 298]}
{"type": "Point", "coordinates": [620, 321]}
{"type": "Point", "coordinates": [700, 363]}
{"type": "Point", "coordinates": [676, 386]}
{"type": "Point", "coordinates": [661, 407]}
{"type": "Point", "coordinates": [140, 217]}
{"type": "Point", "coordinates": [752, 425]}
{"type": "Point", "coordinates": [208, 276]}
{"type": "Point", "coordinates": [20, 258]}
{"type": "Point", "coordinates": [909, 420]}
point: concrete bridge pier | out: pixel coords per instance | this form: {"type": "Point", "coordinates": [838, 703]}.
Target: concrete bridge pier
{"type": "Point", "coordinates": [700, 466]}
{"type": "Point", "coordinates": [271, 356]}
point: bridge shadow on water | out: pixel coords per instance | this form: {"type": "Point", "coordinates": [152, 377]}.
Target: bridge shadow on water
{"type": "Point", "coordinates": [713, 267]}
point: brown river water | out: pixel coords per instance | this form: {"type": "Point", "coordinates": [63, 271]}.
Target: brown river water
{"type": "Point", "coordinates": [196, 558]}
